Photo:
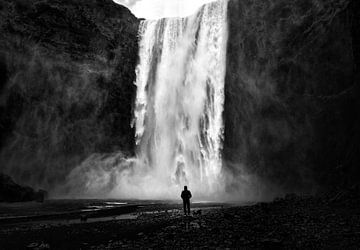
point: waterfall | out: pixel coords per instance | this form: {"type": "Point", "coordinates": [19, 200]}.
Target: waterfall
{"type": "Point", "coordinates": [180, 98]}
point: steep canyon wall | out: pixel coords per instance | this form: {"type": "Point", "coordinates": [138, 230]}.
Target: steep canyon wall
{"type": "Point", "coordinates": [291, 121]}
{"type": "Point", "coordinates": [67, 71]}
{"type": "Point", "coordinates": [291, 113]}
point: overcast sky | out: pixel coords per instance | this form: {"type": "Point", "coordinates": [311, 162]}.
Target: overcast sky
{"type": "Point", "coordinates": [154, 9]}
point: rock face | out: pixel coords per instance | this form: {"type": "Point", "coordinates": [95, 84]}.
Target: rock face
{"type": "Point", "coordinates": [66, 89]}
{"type": "Point", "coordinates": [292, 91]}
{"type": "Point", "coordinates": [12, 192]}
{"type": "Point", "coordinates": [66, 85]}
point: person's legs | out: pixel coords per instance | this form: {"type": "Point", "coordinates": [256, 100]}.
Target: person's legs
{"type": "Point", "coordinates": [188, 206]}
{"type": "Point", "coordinates": [184, 204]}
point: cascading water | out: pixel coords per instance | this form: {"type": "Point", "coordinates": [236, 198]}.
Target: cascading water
{"type": "Point", "coordinates": [180, 97]}
{"type": "Point", "coordinates": [178, 115]}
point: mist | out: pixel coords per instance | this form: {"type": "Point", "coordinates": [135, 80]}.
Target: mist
{"type": "Point", "coordinates": [178, 121]}
{"type": "Point", "coordinates": [178, 113]}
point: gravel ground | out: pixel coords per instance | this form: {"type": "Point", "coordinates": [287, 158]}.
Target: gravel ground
{"type": "Point", "coordinates": [290, 223]}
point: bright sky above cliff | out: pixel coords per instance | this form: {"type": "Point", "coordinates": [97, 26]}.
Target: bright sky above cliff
{"type": "Point", "coordinates": [155, 9]}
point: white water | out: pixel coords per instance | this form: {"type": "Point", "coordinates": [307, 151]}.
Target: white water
{"type": "Point", "coordinates": [180, 97]}
{"type": "Point", "coordinates": [178, 115]}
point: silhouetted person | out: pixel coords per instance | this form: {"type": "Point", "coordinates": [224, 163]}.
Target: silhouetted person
{"type": "Point", "coordinates": [186, 196]}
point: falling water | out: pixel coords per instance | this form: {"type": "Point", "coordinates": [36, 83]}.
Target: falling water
{"type": "Point", "coordinates": [180, 97]}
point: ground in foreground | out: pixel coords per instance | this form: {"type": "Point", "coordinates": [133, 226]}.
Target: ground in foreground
{"type": "Point", "coordinates": [294, 222]}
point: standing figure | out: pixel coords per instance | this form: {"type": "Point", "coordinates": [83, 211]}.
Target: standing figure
{"type": "Point", "coordinates": [186, 196]}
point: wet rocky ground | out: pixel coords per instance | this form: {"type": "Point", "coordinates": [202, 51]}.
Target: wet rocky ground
{"type": "Point", "coordinates": [330, 222]}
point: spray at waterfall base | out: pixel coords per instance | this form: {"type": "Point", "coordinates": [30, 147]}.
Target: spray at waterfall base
{"type": "Point", "coordinates": [178, 114]}
{"type": "Point", "coordinates": [117, 177]}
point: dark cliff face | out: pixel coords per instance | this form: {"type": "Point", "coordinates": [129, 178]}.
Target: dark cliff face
{"type": "Point", "coordinates": [12, 192]}
{"type": "Point", "coordinates": [66, 84]}
{"type": "Point", "coordinates": [292, 95]}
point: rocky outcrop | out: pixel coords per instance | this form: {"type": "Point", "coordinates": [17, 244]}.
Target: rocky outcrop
{"type": "Point", "coordinates": [291, 92]}
{"type": "Point", "coordinates": [66, 89]}
{"type": "Point", "coordinates": [12, 192]}
{"type": "Point", "coordinates": [66, 84]}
